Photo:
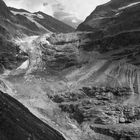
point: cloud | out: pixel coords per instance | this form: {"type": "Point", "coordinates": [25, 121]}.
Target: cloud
{"type": "Point", "coordinates": [78, 8]}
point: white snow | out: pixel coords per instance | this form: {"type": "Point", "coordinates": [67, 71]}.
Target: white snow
{"type": "Point", "coordinates": [117, 14]}
{"type": "Point", "coordinates": [74, 21]}
{"type": "Point", "coordinates": [28, 14]}
{"type": "Point", "coordinates": [40, 16]}
{"type": "Point", "coordinates": [24, 65]}
{"type": "Point", "coordinates": [127, 6]}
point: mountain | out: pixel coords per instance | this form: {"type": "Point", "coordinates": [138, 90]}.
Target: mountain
{"type": "Point", "coordinates": [19, 22]}
{"type": "Point", "coordinates": [112, 17]}
{"type": "Point", "coordinates": [42, 21]}
{"type": "Point", "coordinates": [85, 84]}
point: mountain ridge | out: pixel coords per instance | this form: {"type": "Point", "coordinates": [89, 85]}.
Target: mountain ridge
{"type": "Point", "coordinates": [112, 15]}
{"type": "Point", "coordinates": [20, 22]}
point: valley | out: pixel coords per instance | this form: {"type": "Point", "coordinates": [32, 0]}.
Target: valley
{"type": "Point", "coordinates": [84, 84]}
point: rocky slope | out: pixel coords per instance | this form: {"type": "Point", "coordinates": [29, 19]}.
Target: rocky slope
{"type": "Point", "coordinates": [18, 123]}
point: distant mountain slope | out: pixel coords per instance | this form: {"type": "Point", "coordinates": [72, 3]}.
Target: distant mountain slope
{"type": "Point", "coordinates": [113, 17]}
{"type": "Point", "coordinates": [53, 24]}
{"type": "Point", "coordinates": [43, 21]}
{"type": "Point", "coordinates": [19, 22]}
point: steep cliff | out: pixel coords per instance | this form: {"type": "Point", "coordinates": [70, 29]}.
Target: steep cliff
{"type": "Point", "coordinates": [18, 123]}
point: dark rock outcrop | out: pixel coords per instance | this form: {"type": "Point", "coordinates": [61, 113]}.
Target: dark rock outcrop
{"type": "Point", "coordinates": [16, 122]}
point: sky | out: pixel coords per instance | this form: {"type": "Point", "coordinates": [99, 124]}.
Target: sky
{"type": "Point", "coordinates": [74, 10]}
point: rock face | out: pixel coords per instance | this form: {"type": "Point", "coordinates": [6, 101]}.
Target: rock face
{"type": "Point", "coordinates": [18, 123]}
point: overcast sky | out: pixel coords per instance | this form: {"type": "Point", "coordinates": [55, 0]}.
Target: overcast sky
{"type": "Point", "coordinates": [76, 8]}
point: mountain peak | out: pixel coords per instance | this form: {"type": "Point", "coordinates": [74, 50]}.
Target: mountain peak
{"type": "Point", "coordinates": [4, 11]}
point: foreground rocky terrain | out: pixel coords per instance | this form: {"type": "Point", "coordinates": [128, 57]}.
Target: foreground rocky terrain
{"type": "Point", "coordinates": [18, 123]}
{"type": "Point", "coordinates": [83, 84]}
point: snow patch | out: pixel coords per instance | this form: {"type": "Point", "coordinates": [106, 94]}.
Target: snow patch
{"type": "Point", "coordinates": [24, 65]}
{"type": "Point", "coordinates": [74, 21]}
{"type": "Point", "coordinates": [117, 14]}
{"type": "Point", "coordinates": [28, 14]}
{"type": "Point", "coordinates": [40, 16]}
{"type": "Point", "coordinates": [127, 6]}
